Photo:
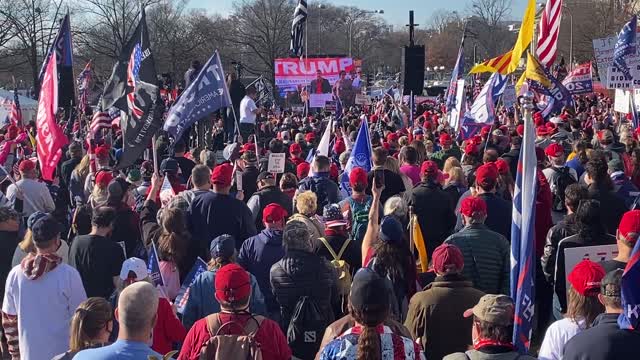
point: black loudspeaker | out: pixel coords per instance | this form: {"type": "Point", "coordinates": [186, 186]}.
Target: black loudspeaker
{"type": "Point", "coordinates": [413, 69]}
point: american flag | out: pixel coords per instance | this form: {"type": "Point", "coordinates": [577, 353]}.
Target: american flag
{"type": "Point", "coordinates": [298, 28]}
{"type": "Point", "coordinates": [548, 31]}
{"type": "Point", "coordinates": [101, 120]}
{"type": "Point", "coordinates": [83, 82]}
{"type": "Point", "coordinates": [522, 239]}
{"type": "Point", "coordinates": [15, 117]}
{"type": "Point", "coordinates": [133, 75]}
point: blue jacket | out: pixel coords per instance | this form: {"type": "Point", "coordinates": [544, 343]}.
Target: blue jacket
{"type": "Point", "coordinates": [257, 255]}
{"type": "Point", "coordinates": [623, 187]}
{"type": "Point", "coordinates": [202, 300]}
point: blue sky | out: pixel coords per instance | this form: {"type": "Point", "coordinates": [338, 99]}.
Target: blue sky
{"type": "Point", "coordinates": [396, 11]}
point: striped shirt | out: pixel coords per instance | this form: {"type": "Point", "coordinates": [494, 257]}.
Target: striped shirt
{"type": "Point", "coordinates": [393, 346]}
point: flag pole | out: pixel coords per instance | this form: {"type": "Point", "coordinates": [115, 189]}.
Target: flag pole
{"type": "Point", "coordinates": [155, 154]}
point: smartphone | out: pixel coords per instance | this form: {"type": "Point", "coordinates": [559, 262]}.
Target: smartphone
{"type": "Point", "coordinates": [378, 175]}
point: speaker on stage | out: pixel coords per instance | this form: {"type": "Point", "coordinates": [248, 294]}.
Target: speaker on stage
{"type": "Point", "coordinates": [413, 69]}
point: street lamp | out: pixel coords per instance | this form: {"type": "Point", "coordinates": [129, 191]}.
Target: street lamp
{"type": "Point", "coordinates": [570, 36]}
{"type": "Point", "coordinates": [350, 21]}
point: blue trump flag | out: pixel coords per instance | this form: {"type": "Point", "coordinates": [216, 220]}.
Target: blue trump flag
{"type": "Point", "coordinates": [629, 319]}
{"type": "Point", "coordinates": [360, 157]}
{"type": "Point", "coordinates": [625, 46]}
{"type": "Point", "coordinates": [198, 268]}
{"type": "Point", "coordinates": [456, 74]}
{"type": "Point", "coordinates": [522, 241]}
{"type": "Point", "coordinates": [153, 266]}
{"type": "Point", "coordinates": [498, 86]}
{"type": "Point", "coordinates": [206, 94]}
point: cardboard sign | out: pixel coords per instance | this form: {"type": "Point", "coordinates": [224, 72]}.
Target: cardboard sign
{"type": "Point", "coordinates": [276, 163]}
{"type": "Point", "coordinates": [363, 99]}
{"type": "Point", "coordinates": [597, 253]}
{"type": "Point", "coordinates": [616, 80]}
{"type": "Point", "coordinates": [509, 96]}
{"type": "Point", "coordinates": [239, 180]}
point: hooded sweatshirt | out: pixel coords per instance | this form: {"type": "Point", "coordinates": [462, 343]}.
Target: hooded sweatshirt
{"type": "Point", "coordinates": [45, 293]}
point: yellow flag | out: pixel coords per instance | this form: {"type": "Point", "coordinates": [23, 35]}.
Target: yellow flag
{"type": "Point", "coordinates": [418, 240]}
{"type": "Point", "coordinates": [535, 72]}
{"type": "Point", "coordinates": [508, 62]}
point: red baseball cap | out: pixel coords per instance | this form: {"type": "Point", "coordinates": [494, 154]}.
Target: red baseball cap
{"type": "Point", "coordinates": [373, 118]}
{"type": "Point", "coordinates": [102, 152]}
{"type": "Point", "coordinates": [447, 258]}
{"type": "Point", "coordinates": [586, 277]}
{"type": "Point", "coordinates": [542, 130]}
{"type": "Point", "coordinates": [26, 165]}
{"type": "Point", "coordinates": [232, 283]}
{"type": "Point", "coordinates": [445, 139]}
{"type": "Point", "coordinates": [554, 150]}
{"type": "Point", "coordinates": [103, 178]}
{"type": "Point", "coordinates": [295, 148]}
{"type": "Point", "coordinates": [302, 170]}
{"type": "Point", "coordinates": [429, 167]}
{"type": "Point", "coordinates": [358, 176]}
{"type": "Point", "coordinates": [520, 129]}
{"type": "Point", "coordinates": [487, 175]}
{"type": "Point", "coordinates": [503, 166]}
{"type": "Point", "coordinates": [221, 174]}
{"type": "Point", "coordinates": [629, 228]}
{"type": "Point", "coordinates": [273, 212]}
{"type": "Point", "coordinates": [392, 137]}
{"type": "Point", "coordinates": [472, 205]}
{"type": "Point", "coordinates": [339, 147]}
{"type": "Point", "coordinates": [310, 137]}
{"type": "Point", "coordinates": [471, 149]}
{"type": "Point", "coordinates": [485, 130]}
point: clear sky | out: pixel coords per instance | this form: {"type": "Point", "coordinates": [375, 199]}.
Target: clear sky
{"type": "Point", "coordinates": [396, 12]}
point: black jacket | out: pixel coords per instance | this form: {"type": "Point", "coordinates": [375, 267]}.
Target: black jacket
{"type": "Point", "coordinates": [611, 205]}
{"type": "Point", "coordinates": [298, 274]}
{"type": "Point", "coordinates": [435, 213]}
{"type": "Point", "coordinates": [603, 341]}
{"type": "Point", "coordinates": [561, 230]}
{"type": "Point", "coordinates": [512, 157]}
{"type": "Point", "coordinates": [393, 185]}
{"type": "Point", "coordinates": [236, 92]}
{"type": "Point", "coordinates": [249, 181]}
{"type": "Point", "coordinates": [268, 195]}
{"type": "Point", "coordinates": [325, 189]}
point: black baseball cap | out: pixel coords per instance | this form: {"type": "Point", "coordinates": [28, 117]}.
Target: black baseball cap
{"type": "Point", "coordinates": [367, 291]}
{"type": "Point", "coordinates": [45, 229]}
{"type": "Point", "coordinates": [264, 176]}
{"type": "Point", "coordinates": [610, 284]}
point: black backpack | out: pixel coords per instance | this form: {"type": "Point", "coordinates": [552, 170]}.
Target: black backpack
{"type": "Point", "coordinates": [306, 328]}
{"type": "Point", "coordinates": [560, 182]}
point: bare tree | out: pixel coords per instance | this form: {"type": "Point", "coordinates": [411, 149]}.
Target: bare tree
{"type": "Point", "coordinates": [492, 12]}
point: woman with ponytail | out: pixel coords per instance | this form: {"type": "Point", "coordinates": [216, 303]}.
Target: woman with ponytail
{"type": "Point", "coordinates": [91, 325]}
{"type": "Point", "coordinates": [370, 339]}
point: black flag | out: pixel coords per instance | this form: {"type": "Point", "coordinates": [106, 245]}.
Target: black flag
{"type": "Point", "coordinates": [63, 47]}
{"type": "Point", "coordinates": [133, 88]}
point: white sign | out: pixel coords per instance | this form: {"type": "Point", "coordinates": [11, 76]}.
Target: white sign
{"type": "Point", "coordinates": [603, 52]}
{"type": "Point", "coordinates": [509, 96]}
{"type": "Point", "coordinates": [319, 100]}
{"type": "Point", "coordinates": [616, 80]}
{"type": "Point", "coordinates": [363, 99]}
{"type": "Point", "coordinates": [573, 256]}
{"type": "Point", "coordinates": [239, 180]}
{"type": "Point", "coordinates": [458, 111]}
{"type": "Point", "coordinates": [276, 163]}
{"type": "Point", "coordinates": [621, 103]}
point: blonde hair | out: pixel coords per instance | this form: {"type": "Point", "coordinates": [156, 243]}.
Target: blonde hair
{"type": "Point", "coordinates": [26, 244]}
{"type": "Point", "coordinates": [99, 194]}
{"type": "Point", "coordinates": [82, 169]}
{"type": "Point", "coordinates": [306, 203]}
{"type": "Point", "coordinates": [392, 164]}
{"type": "Point", "coordinates": [91, 316]}
{"type": "Point", "coordinates": [456, 175]}
{"type": "Point", "coordinates": [450, 163]}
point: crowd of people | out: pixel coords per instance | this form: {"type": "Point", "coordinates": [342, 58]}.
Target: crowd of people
{"type": "Point", "coordinates": [298, 267]}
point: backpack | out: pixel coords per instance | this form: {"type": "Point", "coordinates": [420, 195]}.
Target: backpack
{"type": "Point", "coordinates": [232, 347]}
{"type": "Point", "coordinates": [343, 270]}
{"type": "Point", "coordinates": [306, 328]}
{"type": "Point", "coordinates": [359, 217]}
{"type": "Point", "coordinates": [559, 183]}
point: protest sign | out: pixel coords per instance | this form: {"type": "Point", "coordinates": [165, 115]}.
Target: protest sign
{"type": "Point", "coordinates": [319, 100]}
{"type": "Point", "coordinates": [363, 99]}
{"type": "Point", "coordinates": [616, 80]}
{"type": "Point", "coordinates": [598, 253]}
{"type": "Point", "coordinates": [621, 102]}
{"type": "Point", "coordinates": [509, 96]}
{"type": "Point", "coordinates": [579, 80]}
{"type": "Point", "coordinates": [276, 163]}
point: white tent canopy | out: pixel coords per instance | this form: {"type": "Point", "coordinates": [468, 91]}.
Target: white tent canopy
{"type": "Point", "coordinates": [29, 106]}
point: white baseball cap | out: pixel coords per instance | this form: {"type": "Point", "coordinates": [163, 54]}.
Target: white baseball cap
{"type": "Point", "coordinates": [136, 265]}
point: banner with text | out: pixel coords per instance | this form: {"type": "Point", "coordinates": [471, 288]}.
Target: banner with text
{"type": "Point", "coordinates": [603, 53]}
{"type": "Point", "coordinates": [579, 80]}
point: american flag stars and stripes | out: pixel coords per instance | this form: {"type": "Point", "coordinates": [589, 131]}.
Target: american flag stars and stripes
{"type": "Point", "coordinates": [84, 85]}
{"type": "Point", "coordinates": [133, 72]}
{"type": "Point", "coordinates": [298, 28]}
{"type": "Point", "coordinates": [548, 31]}
{"type": "Point", "coordinates": [101, 120]}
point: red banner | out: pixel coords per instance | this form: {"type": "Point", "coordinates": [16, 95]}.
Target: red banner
{"type": "Point", "coordinates": [50, 138]}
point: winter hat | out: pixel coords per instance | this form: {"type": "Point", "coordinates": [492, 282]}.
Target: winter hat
{"type": "Point", "coordinates": [447, 258]}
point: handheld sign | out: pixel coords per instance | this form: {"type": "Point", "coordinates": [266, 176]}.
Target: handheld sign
{"type": "Point", "coordinates": [276, 163]}
{"type": "Point", "coordinates": [598, 253]}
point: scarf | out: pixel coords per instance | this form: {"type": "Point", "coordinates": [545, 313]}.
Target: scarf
{"type": "Point", "coordinates": [34, 266]}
